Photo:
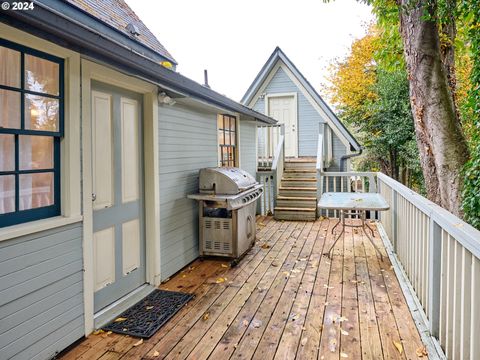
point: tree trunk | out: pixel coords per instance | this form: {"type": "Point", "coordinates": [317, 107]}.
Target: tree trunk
{"type": "Point", "coordinates": [442, 146]}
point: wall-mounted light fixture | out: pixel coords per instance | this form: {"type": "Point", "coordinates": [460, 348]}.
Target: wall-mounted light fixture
{"type": "Point", "coordinates": [163, 98]}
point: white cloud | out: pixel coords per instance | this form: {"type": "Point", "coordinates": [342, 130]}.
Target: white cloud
{"type": "Point", "coordinates": [233, 38]}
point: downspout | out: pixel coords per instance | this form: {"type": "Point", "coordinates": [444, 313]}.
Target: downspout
{"type": "Point", "coordinates": [344, 158]}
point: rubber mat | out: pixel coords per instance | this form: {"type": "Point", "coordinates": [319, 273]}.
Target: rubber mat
{"type": "Point", "coordinates": [148, 315]}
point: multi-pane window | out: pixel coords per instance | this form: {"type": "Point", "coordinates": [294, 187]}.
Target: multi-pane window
{"type": "Point", "coordinates": [31, 126]}
{"type": "Point", "coordinates": [227, 132]}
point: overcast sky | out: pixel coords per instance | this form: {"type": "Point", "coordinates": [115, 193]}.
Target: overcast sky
{"type": "Point", "coordinates": [234, 38]}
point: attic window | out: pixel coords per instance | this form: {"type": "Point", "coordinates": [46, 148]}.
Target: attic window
{"type": "Point", "coordinates": [133, 29]}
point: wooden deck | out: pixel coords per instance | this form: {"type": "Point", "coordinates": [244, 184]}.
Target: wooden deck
{"type": "Point", "coordinates": [284, 300]}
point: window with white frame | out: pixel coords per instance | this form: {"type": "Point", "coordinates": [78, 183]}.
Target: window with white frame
{"type": "Point", "coordinates": [31, 127]}
{"type": "Point", "coordinates": [227, 140]}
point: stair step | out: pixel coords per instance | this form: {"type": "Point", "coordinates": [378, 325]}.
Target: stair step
{"type": "Point", "coordinates": [300, 179]}
{"type": "Point", "coordinates": [296, 188]}
{"type": "Point", "coordinates": [299, 184]}
{"type": "Point", "coordinates": [293, 198]}
{"type": "Point", "coordinates": [301, 160]}
{"type": "Point", "coordinates": [296, 202]}
{"type": "Point", "coordinates": [301, 214]}
{"type": "Point", "coordinates": [300, 165]}
{"type": "Point", "coordinates": [297, 192]}
{"type": "Point", "coordinates": [294, 209]}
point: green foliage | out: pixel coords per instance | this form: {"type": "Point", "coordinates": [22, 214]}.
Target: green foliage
{"type": "Point", "coordinates": [471, 190]}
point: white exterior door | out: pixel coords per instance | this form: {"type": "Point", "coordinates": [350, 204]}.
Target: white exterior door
{"type": "Point", "coordinates": [284, 110]}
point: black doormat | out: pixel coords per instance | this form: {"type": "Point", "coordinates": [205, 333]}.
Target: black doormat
{"type": "Point", "coordinates": [148, 315]}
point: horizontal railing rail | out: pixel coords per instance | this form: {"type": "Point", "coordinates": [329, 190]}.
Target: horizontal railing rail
{"type": "Point", "coordinates": [440, 255]}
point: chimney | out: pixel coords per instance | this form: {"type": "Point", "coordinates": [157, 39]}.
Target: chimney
{"type": "Point", "coordinates": [205, 76]}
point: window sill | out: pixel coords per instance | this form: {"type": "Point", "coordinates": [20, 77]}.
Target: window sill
{"type": "Point", "coordinates": [15, 231]}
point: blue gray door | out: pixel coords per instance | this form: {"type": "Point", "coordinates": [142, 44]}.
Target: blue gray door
{"type": "Point", "coordinates": [117, 198]}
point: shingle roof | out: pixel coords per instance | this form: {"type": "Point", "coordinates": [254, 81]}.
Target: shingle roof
{"type": "Point", "coordinates": [117, 14]}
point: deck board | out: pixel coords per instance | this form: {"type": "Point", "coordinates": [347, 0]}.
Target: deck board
{"type": "Point", "coordinates": [284, 300]}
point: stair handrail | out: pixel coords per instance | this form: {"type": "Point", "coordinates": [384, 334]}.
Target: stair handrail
{"type": "Point", "coordinates": [278, 163]}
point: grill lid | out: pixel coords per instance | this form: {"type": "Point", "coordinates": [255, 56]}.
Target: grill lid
{"type": "Point", "coordinates": [225, 181]}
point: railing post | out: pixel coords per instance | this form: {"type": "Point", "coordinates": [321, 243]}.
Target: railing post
{"type": "Point", "coordinates": [434, 277]}
{"type": "Point", "coordinates": [394, 222]}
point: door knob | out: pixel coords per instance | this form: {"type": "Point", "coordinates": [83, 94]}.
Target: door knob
{"type": "Point", "coordinates": [94, 196]}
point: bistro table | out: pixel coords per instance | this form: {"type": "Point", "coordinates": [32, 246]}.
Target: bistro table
{"type": "Point", "coordinates": [353, 204]}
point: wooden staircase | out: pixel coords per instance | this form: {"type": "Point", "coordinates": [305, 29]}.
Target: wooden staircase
{"type": "Point", "coordinates": [297, 195]}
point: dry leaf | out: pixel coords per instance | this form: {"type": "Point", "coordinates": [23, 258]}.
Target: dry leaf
{"type": "Point", "coordinates": [184, 276]}
{"type": "Point", "coordinates": [265, 246]}
{"type": "Point", "coordinates": [220, 280]}
{"type": "Point", "coordinates": [224, 266]}
{"type": "Point", "coordinates": [156, 353]}
{"type": "Point", "coordinates": [421, 352]}
{"type": "Point", "coordinates": [286, 273]}
{"type": "Point", "coordinates": [98, 332]}
{"type": "Point", "coordinates": [149, 307]}
{"type": "Point", "coordinates": [327, 287]}
{"type": "Point", "coordinates": [120, 319]}
{"type": "Point", "coordinates": [399, 346]}
{"type": "Point", "coordinates": [245, 322]}
{"type": "Point", "coordinates": [261, 224]}
{"type": "Point", "coordinates": [304, 341]}
{"type": "Point", "coordinates": [343, 355]}
{"type": "Point", "coordinates": [205, 316]}
{"type": "Point", "coordinates": [345, 333]}
{"type": "Point", "coordinates": [139, 342]}
{"type": "Point", "coordinates": [341, 319]}
{"type": "Point", "coordinates": [256, 323]}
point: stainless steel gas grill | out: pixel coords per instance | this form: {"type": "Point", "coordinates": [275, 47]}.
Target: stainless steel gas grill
{"type": "Point", "coordinates": [227, 204]}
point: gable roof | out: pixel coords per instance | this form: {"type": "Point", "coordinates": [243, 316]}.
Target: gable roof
{"type": "Point", "coordinates": [279, 55]}
{"type": "Point", "coordinates": [117, 15]}
{"type": "Point", "coordinates": [55, 21]}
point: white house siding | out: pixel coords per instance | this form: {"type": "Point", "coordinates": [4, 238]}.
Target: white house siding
{"type": "Point", "coordinates": [41, 293]}
{"type": "Point", "coordinates": [248, 153]}
{"type": "Point", "coordinates": [187, 143]}
{"type": "Point", "coordinates": [308, 117]}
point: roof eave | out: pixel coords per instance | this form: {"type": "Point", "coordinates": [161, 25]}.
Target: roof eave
{"type": "Point", "coordinates": [52, 26]}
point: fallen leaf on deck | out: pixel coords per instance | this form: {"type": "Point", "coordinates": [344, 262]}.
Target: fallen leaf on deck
{"type": "Point", "coordinates": [245, 322]}
{"type": "Point", "coordinates": [98, 332]}
{"type": "Point", "coordinates": [343, 355]}
{"type": "Point", "coordinates": [421, 352]}
{"type": "Point", "coordinates": [224, 266]}
{"type": "Point", "coordinates": [304, 341]}
{"type": "Point", "coordinates": [108, 333]}
{"type": "Point", "coordinates": [261, 224]}
{"type": "Point", "coordinates": [206, 316]}
{"type": "Point", "coordinates": [256, 323]}
{"type": "Point", "coordinates": [120, 319]}
{"type": "Point", "coordinates": [332, 345]}
{"type": "Point", "coordinates": [399, 346]}
{"type": "Point", "coordinates": [274, 264]}
{"type": "Point", "coordinates": [295, 271]}
{"type": "Point", "coordinates": [220, 280]}
{"type": "Point", "coordinates": [286, 273]}
{"type": "Point", "coordinates": [327, 287]}
{"type": "Point", "coordinates": [139, 342]}
{"type": "Point", "coordinates": [156, 353]}
{"type": "Point", "coordinates": [341, 319]}
{"type": "Point", "coordinates": [149, 307]}
{"type": "Point", "coordinates": [265, 246]}
{"type": "Point", "coordinates": [345, 333]}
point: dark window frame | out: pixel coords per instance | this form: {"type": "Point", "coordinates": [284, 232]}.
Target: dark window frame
{"type": "Point", "coordinates": [22, 216]}
{"type": "Point", "coordinates": [233, 148]}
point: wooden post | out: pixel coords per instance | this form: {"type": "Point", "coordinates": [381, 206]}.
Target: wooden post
{"type": "Point", "coordinates": [434, 277]}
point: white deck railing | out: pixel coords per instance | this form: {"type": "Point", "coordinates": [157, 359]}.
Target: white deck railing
{"type": "Point", "coordinates": [268, 137]}
{"type": "Point", "coordinates": [440, 255]}
{"type": "Point", "coordinates": [270, 173]}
